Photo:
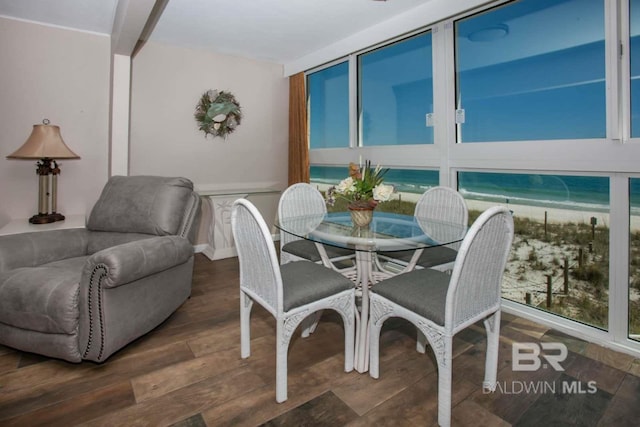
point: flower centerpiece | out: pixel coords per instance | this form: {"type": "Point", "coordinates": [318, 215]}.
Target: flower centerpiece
{"type": "Point", "coordinates": [363, 189]}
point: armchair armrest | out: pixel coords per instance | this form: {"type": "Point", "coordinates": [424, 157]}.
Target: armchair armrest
{"type": "Point", "coordinates": [36, 248]}
{"type": "Point", "coordinates": [128, 289]}
{"type": "Point", "coordinates": [131, 261]}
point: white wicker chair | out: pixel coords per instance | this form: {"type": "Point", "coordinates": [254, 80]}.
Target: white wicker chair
{"type": "Point", "coordinates": [440, 305]}
{"type": "Point", "coordinates": [440, 204]}
{"type": "Point", "coordinates": [290, 292]}
{"type": "Point", "coordinates": [298, 200]}
{"type": "Point", "coordinates": [304, 199]}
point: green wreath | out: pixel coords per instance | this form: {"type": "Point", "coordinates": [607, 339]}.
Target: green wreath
{"type": "Point", "coordinates": [218, 113]}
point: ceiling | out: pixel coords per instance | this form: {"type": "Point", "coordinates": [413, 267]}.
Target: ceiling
{"type": "Point", "coordinates": [273, 30]}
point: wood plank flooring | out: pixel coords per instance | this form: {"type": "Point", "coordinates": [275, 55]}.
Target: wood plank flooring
{"type": "Point", "coordinates": [188, 373]}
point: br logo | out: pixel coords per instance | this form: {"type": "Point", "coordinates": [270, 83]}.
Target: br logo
{"type": "Point", "coordinates": [528, 356]}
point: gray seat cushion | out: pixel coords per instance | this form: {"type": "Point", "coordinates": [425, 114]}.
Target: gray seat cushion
{"type": "Point", "coordinates": [44, 298]}
{"type": "Point", "coordinates": [307, 249]}
{"type": "Point", "coordinates": [422, 291]}
{"type": "Point", "coordinates": [304, 282]}
{"type": "Point", "coordinates": [430, 257]}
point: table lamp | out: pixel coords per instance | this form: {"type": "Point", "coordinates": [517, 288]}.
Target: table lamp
{"type": "Point", "coordinates": [46, 145]}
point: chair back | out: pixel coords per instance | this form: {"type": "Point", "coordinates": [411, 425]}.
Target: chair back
{"type": "Point", "coordinates": [475, 286]}
{"type": "Point", "coordinates": [153, 205]}
{"type": "Point", "coordinates": [446, 205]}
{"type": "Point", "coordinates": [259, 269]}
{"type": "Point", "coordinates": [298, 200]}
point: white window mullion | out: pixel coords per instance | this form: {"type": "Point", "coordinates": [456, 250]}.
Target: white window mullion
{"type": "Point", "coordinates": [355, 131]}
{"type": "Point", "coordinates": [624, 64]}
{"type": "Point", "coordinates": [444, 105]}
{"type": "Point", "coordinates": [619, 258]}
{"type": "Point", "coordinates": [614, 51]}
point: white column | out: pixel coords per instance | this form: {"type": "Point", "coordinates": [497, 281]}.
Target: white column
{"type": "Point", "coordinates": [120, 107]}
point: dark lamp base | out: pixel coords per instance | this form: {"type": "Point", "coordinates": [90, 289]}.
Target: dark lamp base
{"type": "Point", "coordinates": [46, 218]}
{"type": "Point", "coordinates": [57, 216]}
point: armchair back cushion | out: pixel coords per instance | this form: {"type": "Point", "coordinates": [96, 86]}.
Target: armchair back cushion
{"type": "Point", "coordinates": [142, 204]}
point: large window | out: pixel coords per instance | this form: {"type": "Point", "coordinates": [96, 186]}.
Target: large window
{"type": "Point", "coordinates": [328, 106]}
{"type": "Point", "coordinates": [396, 93]}
{"type": "Point", "coordinates": [532, 70]}
{"type": "Point", "coordinates": [559, 260]}
{"type": "Point", "coordinates": [531, 109]}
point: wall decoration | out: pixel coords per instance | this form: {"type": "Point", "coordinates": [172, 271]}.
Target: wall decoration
{"type": "Point", "coordinates": [218, 113]}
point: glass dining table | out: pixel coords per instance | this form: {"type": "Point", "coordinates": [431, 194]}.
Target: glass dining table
{"type": "Point", "coordinates": [388, 233]}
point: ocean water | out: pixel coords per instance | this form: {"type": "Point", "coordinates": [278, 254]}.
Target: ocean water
{"type": "Point", "coordinates": [404, 180]}
{"type": "Point", "coordinates": [588, 193]}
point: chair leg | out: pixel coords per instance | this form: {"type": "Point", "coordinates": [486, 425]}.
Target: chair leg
{"type": "Point", "coordinates": [492, 325]}
{"type": "Point", "coordinates": [282, 346]}
{"type": "Point", "coordinates": [374, 345]}
{"type": "Point", "coordinates": [245, 328]}
{"type": "Point", "coordinates": [444, 382]}
{"type": "Point", "coordinates": [310, 323]}
{"type": "Point", "coordinates": [421, 342]}
{"type": "Point", "coordinates": [349, 337]}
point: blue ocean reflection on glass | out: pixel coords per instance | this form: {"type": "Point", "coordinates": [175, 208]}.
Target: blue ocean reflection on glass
{"type": "Point", "coordinates": [532, 70]}
{"type": "Point", "coordinates": [396, 92]}
{"type": "Point", "coordinates": [328, 104]}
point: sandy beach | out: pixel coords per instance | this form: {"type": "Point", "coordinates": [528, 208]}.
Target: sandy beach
{"type": "Point", "coordinates": [537, 213]}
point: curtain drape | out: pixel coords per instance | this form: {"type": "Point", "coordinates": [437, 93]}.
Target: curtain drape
{"type": "Point", "coordinates": [298, 145]}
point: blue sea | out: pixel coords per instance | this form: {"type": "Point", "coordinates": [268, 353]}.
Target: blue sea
{"type": "Point", "coordinates": [587, 193]}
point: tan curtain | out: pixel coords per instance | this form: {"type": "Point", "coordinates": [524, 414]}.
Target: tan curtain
{"type": "Point", "coordinates": [298, 145]}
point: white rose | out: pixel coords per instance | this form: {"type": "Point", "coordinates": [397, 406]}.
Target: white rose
{"type": "Point", "coordinates": [346, 186]}
{"type": "Point", "coordinates": [382, 192]}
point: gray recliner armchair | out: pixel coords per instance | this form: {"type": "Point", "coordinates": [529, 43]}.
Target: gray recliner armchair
{"type": "Point", "coordinates": [82, 294]}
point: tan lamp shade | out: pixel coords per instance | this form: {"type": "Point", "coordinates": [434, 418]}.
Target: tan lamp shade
{"type": "Point", "coordinates": [45, 141]}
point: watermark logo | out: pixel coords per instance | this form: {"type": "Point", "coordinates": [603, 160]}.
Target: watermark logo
{"type": "Point", "coordinates": [530, 357]}
{"type": "Point", "coordinates": [527, 355]}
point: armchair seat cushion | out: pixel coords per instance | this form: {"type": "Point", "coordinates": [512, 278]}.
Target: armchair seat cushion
{"type": "Point", "coordinates": [44, 298]}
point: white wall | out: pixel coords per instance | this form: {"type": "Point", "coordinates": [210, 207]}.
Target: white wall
{"type": "Point", "coordinates": [167, 84]}
{"type": "Point", "coordinates": [61, 75]}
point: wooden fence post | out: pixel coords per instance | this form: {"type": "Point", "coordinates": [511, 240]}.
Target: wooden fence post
{"type": "Point", "coordinates": [566, 276]}
{"type": "Point", "coordinates": [579, 257]}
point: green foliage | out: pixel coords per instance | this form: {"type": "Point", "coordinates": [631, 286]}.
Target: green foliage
{"type": "Point", "coordinates": [592, 273]}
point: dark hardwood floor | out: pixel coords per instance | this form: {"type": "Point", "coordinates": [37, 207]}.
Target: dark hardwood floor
{"type": "Point", "coordinates": [188, 372]}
